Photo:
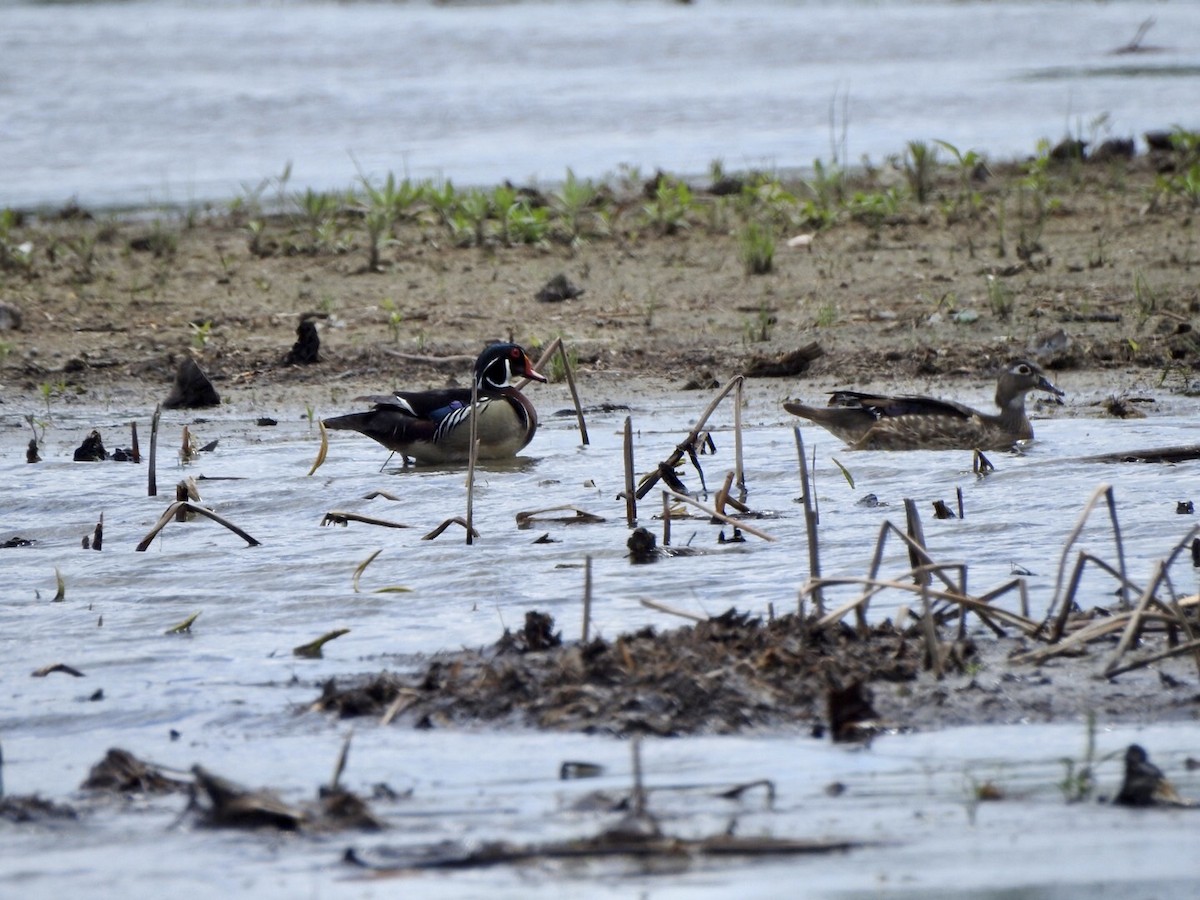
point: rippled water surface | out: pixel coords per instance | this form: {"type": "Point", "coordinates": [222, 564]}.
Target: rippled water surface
{"type": "Point", "coordinates": [177, 101]}
{"type": "Point", "coordinates": [233, 692]}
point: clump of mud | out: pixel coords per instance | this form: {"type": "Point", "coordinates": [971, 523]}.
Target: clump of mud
{"type": "Point", "coordinates": [726, 674]}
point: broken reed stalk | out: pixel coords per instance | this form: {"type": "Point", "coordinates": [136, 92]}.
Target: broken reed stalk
{"type": "Point", "coordinates": [737, 438]}
{"type": "Point", "coordinates": [472, 455]}
{"type": "Point", "coordinates": [200, 510]}
{"type": "Point", "coordinates": [916, 531]}
{"type": "Point", "coordinates": [630, 496]}
{"type": "Point", "coordinates": [152, 483]}
{"type": "Point", "coordinates": [1192, 646]}
{"type": "Point", "coordinates": [556, 346]}
{"type": "Point", "coordinates": [737, 523]}
{"type": "Point", "coordinates": [1101, 490]}
{"type": "Point", "coordinates": [338, 517]}
{"type": "Point", "coordinates": [587, 597]}
{"type": "Point", "coordinates": [1134, 628]}
{"type": "Point", "coordinates": [668, 465]}
{"type": "Point", "coordinates": [666, 517]}
{"type": "Point", "coordinates": [639, 788]}
{"type": "Point", "coordinates": [980, 605]}
{"type": "Point", "coordinates": [456, 520]}
{"type": "Point", "coordinates": [811, 521]}
{"type": "Point", "coordinates": [671, 610]}
{"type": "Point", "coordinates": [932, 645]}
{"type": "Point", "coordinates": [134, 451]}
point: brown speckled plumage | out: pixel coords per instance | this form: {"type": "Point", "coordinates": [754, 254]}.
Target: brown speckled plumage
{"type": "Point", "coordinates": [875, 422]}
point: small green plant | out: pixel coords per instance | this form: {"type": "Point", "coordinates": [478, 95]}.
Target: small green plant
{"type": "Point", "coordinates": [571, 203]}
{"type": "Point", "coordinates": [50, 391]}
{"type": "Point", "coordinates": [201, 333]}
{"type": "Point", "coordinates": [469, 224]}
{"type": "Point", "coordinates": [1145, 301]}
{"type": "Point", "coordinates": [668, 212]}
{"type": "Point", "coordinates": [394, 319]}
{"type": "Point", "coordinates": [1079, 780]}
{"type": "Point", "coordinates": [968, 202]}
{"type": "Point", "coordinates": [827, 314]}
{"type": "Point", "coordinates": [557, 370]}
{"type": "Point", "coordinates": [1000, 299]}
{"type": "Point", "coordinates": [526, 224]}
{"type": "Point", "coordinates": [757, 245]}
{"type": "Point", "coordinates": [873, 209]}
{"type": "Point", "coordinates": [920, 166]}
{"type": "Point", "coordinates": [15, 255]}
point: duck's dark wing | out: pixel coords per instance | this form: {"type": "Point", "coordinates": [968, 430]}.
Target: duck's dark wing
{"type": "Point", "coordinates": [881, 407]}
{"type": "Point", "coordinates": [421, 404]}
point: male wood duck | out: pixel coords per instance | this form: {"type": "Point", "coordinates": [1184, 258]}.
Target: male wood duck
{"type": "Point", "coordinates": [435, 426]}
{"type": "Point", "coordinates": [872, 422]}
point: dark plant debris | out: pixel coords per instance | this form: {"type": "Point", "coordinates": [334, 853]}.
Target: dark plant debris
{"type": "Point", "coordinates": [725, 674]}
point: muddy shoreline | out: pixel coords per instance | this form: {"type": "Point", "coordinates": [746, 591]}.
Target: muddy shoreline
{"type": "Point", "coordinates": [1087, 267]}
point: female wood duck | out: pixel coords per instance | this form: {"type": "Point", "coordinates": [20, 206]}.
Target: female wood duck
{"type": "Point", "coordinates": [872, 422]}
{"type": "Point", "coordinates": [435, 426]}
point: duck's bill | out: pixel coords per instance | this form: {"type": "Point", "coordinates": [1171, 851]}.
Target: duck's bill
{"type": "Point", "coordinates": [531, 372]}
{"type": "Point", "coordinates": [1044, 384]}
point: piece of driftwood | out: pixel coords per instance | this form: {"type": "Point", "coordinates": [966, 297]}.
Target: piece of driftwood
{"type": "Point", "coordinates": [200, 510]}
{"type": "Point", "coordinates": [785, 364]}
{"type": "Point", "coordinates": [1184, 453]}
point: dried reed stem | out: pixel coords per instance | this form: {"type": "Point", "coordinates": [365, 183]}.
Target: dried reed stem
{"type": "Point", "coordinates": [472, 455]}
{"type": "Point", "coordinates": [199, 510]}
{"type": "Point", "coordinates": [810, 526]}
{"type": "Point", "coordinates": [737, 438]}
{"type": "Point", "coordinates": [587, 597]}
{"type": "Point", "coordinates": [556, 346]}
{"type": "Point", "coordinates": [1100, 491]}
{"type": "Point", "coordinates": [630, 496]}
{"type": "Point", "coordinates": [649, 480]}
{"type": "Point", "coordinates": [916, 531]}
{"type": "Point", "coordinates": [671, 610]}
{"type": "Point", "coordinates": [666, 518]}
{"type": "Point", "coordinates": [152, 482]}
{"type": "Point", "coordinates": [703, 507]}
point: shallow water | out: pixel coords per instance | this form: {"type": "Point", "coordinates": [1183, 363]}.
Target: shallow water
{"type": "Point", "coordinates": [171, 101]}
{"type": "Point", "coordinates": [233, 691]}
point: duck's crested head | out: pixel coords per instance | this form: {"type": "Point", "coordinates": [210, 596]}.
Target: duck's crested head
{"type": "Point", "coordinates": [499, 364]}
{"type": "Point", "coordinates": [1018, 379]}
